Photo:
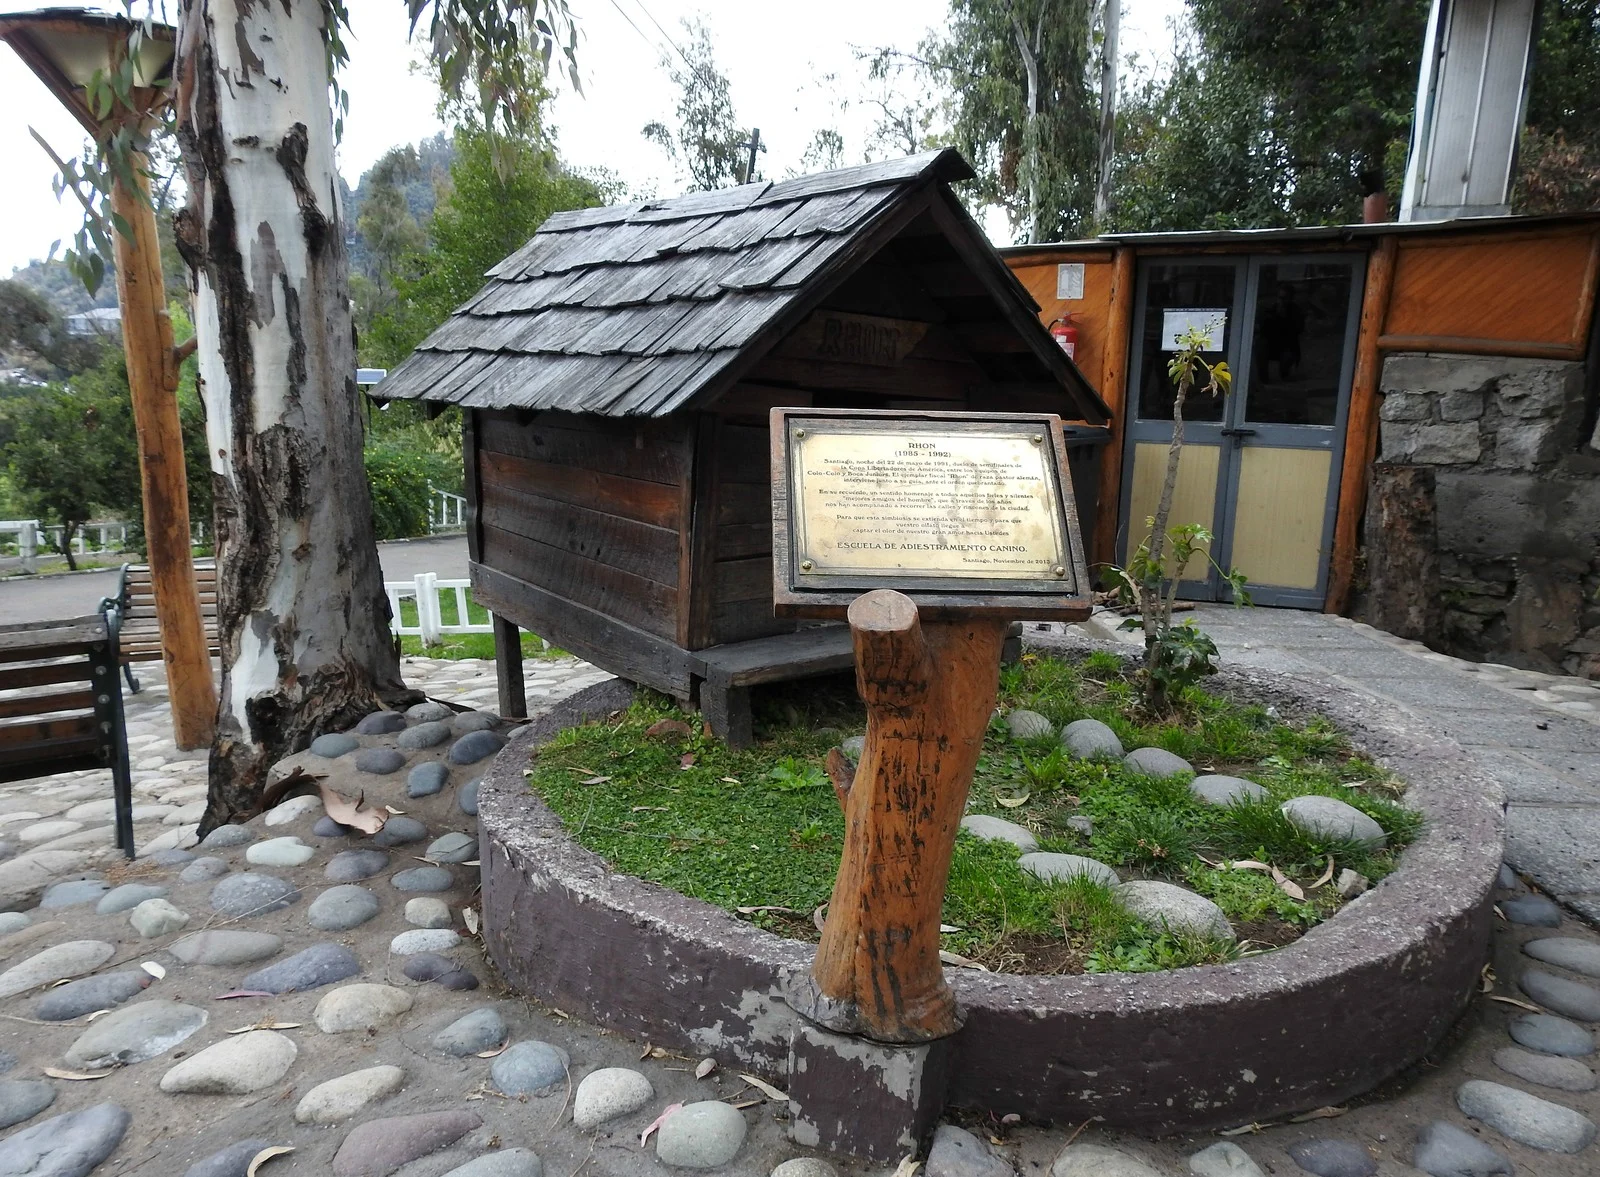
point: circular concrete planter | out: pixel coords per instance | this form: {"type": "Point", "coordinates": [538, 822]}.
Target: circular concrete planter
{"type": "Point", "coordinates": [1351, 1003]}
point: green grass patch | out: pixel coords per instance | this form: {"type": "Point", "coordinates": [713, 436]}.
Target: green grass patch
{"type": "Point", "coordinates": [457, 646]}
{"type": "Point", "coordinates": [759, 831]}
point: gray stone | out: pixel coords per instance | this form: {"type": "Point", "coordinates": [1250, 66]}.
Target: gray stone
{"type": "Point", "coordinates": [1029, 725]}
{"type": "Point", "coordinates": [453, 847]}
{"type": "Point", "coordinates": [1330, 1157]}
{"type": "Point", "coordinates": [8, 849]}
{"type": "Point", "coordinates": [1525, 1118]}
{"type": "Point", "coordinates": [474, 746]}
{"type": "Point", "coordinates": [805, 1167]}
{"type": "Point", "coordinates": [292, 810]}
{"type": "Point", "coordinates": [13, 921]}
{"type": "Point", "coordinates": [233, 1161]}
{"type": "Point", "coordinates": [1570, 998]}
{"type": "Point", "coordinates": [127, 897]}
{"type": "Point", "coordinates": [380, 761]}
{"type": "Point", "coordinates": [1579, 956]}
{"type": "Point", "coordinates": [1096, 1160]}
{"type": "Point", "coordinates": [338, 909]}
{"type": "Point", "coordinates": [334, 744]}
{"type": "Point", "coordinates": [203, 870]}
{"type": "Point", "coordinates": [238, 1065]}
{"type": "Point", "coordinates": [1089, 739]}
{"type": "Point", "coordinates": [997, 829]}
{"type": "Point", "coordinates": [349, 866]}
{"type": "Point", "coordinates": [1053, 868]}
{"type": "Point", "coordinates": [23, 1099]}
{"type": "Point", "coordinates": [360, 1008]}
{"type": "Point", "coordinates": [381, 723]}
{"type": "Point", "coordinates": [607, 1094]}
{"type": "Point", "coordinates": [704, 1135]}
{"type": "Point", "coordinates": [7, 1060]}
{"type": "Point", "coordinates": [1461, 406]}
{"type": "Point", "coordinates": [467, 797]}
{"type": "Point", "coordinates": [57, 963]}
{"type": "Point", "coordinates": [225, 947]}
{"type": "Point", "coordinates": [423, 878]}
{"type": "Point", "coordinates": [73, 892]}
{"type": "Point", "coordinates": [1224, 1159]}
{"type": "Point", "coordinates": [310, 968]}
{"type": "Point", "coordinates": [1406, 406]}
{"type": "Point", "coordinates": [1215, 789]}
{"type": "Point", "coordinates": [157, 917]}
{"type": "Point", "coordinates": [1531, 910]}
{"type": "Point", "coordinates": [379, 1147]}
{"type": "Point", "coordinates": [427, 778]}
{"type": "Point", "coordinates": [1550, 1034]}
{"type": "Point", "coordinates": [340, 1098]}
{"type": "Point", "coordinates": [1447, 445]}
{"type": "Point", "coordinates": [1081, 823]}
{"type": "Point", "coordinates": [472, 1033]}
{"type": "Point", "coordinates": [853, 746]}
{"type": "Point", "coordinates": [400, 830]}
{"type": "Point", "coordinates": [1164, 905]}
{"type": "Point", "coordinates": [448, 974]}
{"type": "Point", "coordinates": [135, 1033]}
{"type": "Point", "coordinates": [251, 894]}
{"type": "Point", "coordinates": [955, 1152]}
{"type": "Point", "coordinates": [65, 1146]}
{"type": "Point", "coordinates": [1443, 1150]}
{"type": "Point", "coordinates": [172, 857]}
{"type": "Point", "coordinates": [224, 836]}
{"type": "Point", "coordinates": [528, 1067]}
{"type": "Point", "coordinates": [508, 1162]}
{"type": "Point", "coordinates": [326, 827]}
{"type": "Point", "coordinates": [287, 851]}
{"type": "Point", "coordinates": [428, 711]}
{"type": "Point", "coordinates": [1564, 1074]}
{"type": "Point", "coordinates": [84, 996]}
{"type": "Point", "coordinates": [1351, 883]}
{"type": "Point", "coordinates": [424, 940]}
{"type": "Point", "coordinates": [1507, 878]}
{"type": "Point", "coordinates": [427, 912]}
{"type": "Point", "coordinates": [473, 721]}
{"type": "Point", "coordinates": [424, 735]}
{"type": "Point", "coordinates": [1333, 819]}
{"type": "Point", "coordinates": [1157, 762]}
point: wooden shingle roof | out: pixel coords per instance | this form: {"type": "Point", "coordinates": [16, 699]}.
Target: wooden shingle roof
{"type": "Point", "coordinates": [641, 309]}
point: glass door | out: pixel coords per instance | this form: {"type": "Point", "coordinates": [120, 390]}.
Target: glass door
{"type": "Point", "coordinates": [1264, 477]}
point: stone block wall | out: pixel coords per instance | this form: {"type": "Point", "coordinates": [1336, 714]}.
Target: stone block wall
{"type": "Point", "coordinates": [1517, 476]}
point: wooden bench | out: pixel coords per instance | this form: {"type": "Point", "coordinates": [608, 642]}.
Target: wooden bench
{"type": "Point", "coordinates": [61, 705]}
{"type": "Point", "coordinates": [141, 629]}
{"type": "Point", "coordinates": [728, 672]}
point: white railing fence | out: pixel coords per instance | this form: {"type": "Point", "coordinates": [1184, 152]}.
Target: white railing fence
{"type": "Point", "coordinates": [428, 592]}
{"type": "Point", "coordinates": [446, 511]}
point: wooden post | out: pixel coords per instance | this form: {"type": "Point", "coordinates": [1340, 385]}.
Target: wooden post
{"type": "Point", "coordinates": [508, 668]}
{"type": "Point", "coordinates": [929, 687]}
{"type": "Point", "coordinates": [152, 384]}
{"type": "Point", "coordinates": [1114, 391]}
{"type": "Point", "coordinates": [1361, 429]}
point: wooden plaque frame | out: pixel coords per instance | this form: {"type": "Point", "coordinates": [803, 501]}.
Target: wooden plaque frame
{"type": "Point", "coordinates": [798, 593]}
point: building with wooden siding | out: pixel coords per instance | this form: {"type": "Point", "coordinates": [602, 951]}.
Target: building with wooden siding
{"type": "Point", "coordinates": [1412, 433]}
{"type": "Point", "coordinates": [616, 375]}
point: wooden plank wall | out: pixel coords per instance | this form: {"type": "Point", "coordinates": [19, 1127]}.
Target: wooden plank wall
{"type": "Point", "coordinates": [1092, 312]}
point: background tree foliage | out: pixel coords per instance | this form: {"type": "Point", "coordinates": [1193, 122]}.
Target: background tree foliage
{"type": "Point", "coordinates": [708, 143]}
{"type": "Point", "coordinates": [1559, 164]}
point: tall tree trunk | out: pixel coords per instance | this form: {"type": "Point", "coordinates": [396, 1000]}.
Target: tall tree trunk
{"type": "Point", "coordinates": [1108, 112]}
{"type": "Point", "coordinates": [1030, 128]}
{"type": "Point", "coordinates": [301, 610]}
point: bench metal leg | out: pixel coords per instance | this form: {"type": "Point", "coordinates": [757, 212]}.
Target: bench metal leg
{"type": "Point", "coordinates": [727, 710]}
{"type": "Point", "coordinates": [114, 739]}
{"type": "Point", "coordinates": [133, 683]}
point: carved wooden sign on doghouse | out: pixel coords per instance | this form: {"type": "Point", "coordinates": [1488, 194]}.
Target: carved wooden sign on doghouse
{"type": "Point", "coordinates": [930, 532]}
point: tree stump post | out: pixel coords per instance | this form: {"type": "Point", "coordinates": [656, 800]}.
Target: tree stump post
{"type": "Point", "coordinates": [929, 687]}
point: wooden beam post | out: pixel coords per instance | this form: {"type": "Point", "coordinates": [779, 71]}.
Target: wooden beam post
{"type": "Point", "coordinates": [508, 668]}
{"type": "Point", "coordinates": [1114, 391]}
{"type": "Point", "coordinates": [1361, 429]}
{"type": "Point", "coordinates": [152, 384]}
{"type": "Point", "coordinates": [929, 687]}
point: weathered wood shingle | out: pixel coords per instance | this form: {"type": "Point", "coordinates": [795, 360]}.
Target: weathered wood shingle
{"type": "Point", "coordinates": [637, 309]}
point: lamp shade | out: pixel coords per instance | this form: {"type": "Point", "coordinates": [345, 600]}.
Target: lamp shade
{"type": "Point", "coordinates": [65, 46]}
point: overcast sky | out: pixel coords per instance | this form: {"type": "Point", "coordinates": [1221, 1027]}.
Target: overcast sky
{"type": "Point", "coordinates": [788, 66]}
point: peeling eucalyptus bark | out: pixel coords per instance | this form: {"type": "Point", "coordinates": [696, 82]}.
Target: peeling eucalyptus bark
{"type": "Point", "coordinates": [303, 619]}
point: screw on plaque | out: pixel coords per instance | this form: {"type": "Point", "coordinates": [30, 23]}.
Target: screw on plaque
{"type": "Point", "coordinates": [1059, 570]}
{"type": "Point", "coordinates": [805, 566]}
{"type": "Point", "coordinates": [799, 432]}
{"type": "Point", "coordinates": [1037, 439]}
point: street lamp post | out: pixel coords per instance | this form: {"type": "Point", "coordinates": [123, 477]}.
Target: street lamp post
{"type": "Point", "coordinates": [65, 48]}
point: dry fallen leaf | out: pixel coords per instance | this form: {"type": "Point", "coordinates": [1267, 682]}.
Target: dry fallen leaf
{"type": "Point", "coordinates": [469, 916]}
{"type": "Point", "coordinates": [594, 780]}
{"type": "Point", "coordinates": [943, 928]}
{"type": "Point", "coordinates": [731, 780]}
{"type": "Point", "coordinates": [495, 1050]}
{"type": "Point", "coordinates": [1013, 802]}
{"type": "Point", "coordinates": [740, 1105]}
{"type": "Point", "coordinates": [153, 969]}
{"type": "Point", "coordinates": [243, 993]}
{"type": "Point", "coordinates": [352, 813]}
{"type": "Point", "coordinates": [58, 1073]}
{"type": "Point", "coordinates": [707, 1065]}
{"type": "Point", "coordinates": [1318, 1114]}
{"type": "Point", "coordinates": [1324, 876]}
{"type": "Point", "coordinates": [1249, 864]}
{"type": "Point", "coordinates": [956, 960]}
{"type": "Point", "coordinates": [765, 1088]}
{"type": "Point", "coordinates": [1527, 1005]}
{"type": "Point", "coordinates": [264, 1156]}
{"type": "Point", "coordinates": [644, 1136]}
{"type": "Point", "coordinates": [559, 1013]}
{"type": "Point", "coordinates": [1287, 885]}
{"type": "Point", "coordinates": [1243, 1128]}
{"type": "Point", "coordinates": [644, 1054]}
{"type": "Point", "coordinates": [1486, 979]}
{"type": "Point", "coordinates": [268, 1026]}
{"type": "Point", "coordinates": [651, 809]}
{"type": "Point", "coordinates": [908, 1167]}
{"type": "Point", "coordinates": [686, 760]}
{"type": "Point", "coordinates": [669, 729]}
{"type": "Point", "coordinates": [764, 908]}
{"type": "Point", "coordinates": [100, 1013]}
{"type": "Point", "coordinates": [819, 915]}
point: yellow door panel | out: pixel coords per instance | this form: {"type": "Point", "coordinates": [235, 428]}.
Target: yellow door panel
{"type": "Point", "coordinates": [1278, 519]}
{"type": "Point", "coordinates": [1193, 500]}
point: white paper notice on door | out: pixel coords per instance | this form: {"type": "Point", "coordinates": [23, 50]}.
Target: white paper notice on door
{"type": "Point", "coordinates": [1212, 321]}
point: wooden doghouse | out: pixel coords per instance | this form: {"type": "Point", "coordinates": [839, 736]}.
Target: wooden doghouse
{"type": "Point", "coordinates": [616, 374]}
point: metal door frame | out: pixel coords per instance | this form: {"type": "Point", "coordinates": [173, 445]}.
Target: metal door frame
{"type": "Point", "coordinates": [1238, 350]}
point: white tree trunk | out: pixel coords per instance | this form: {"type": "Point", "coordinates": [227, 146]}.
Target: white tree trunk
{"type": "Point", "coordinates": [303, 618]}
{"type": "Point", "coordinates": [1108, 112]}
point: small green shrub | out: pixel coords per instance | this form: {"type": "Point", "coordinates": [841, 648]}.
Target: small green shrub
{"type": "Point", "coordinates": [399, 476]}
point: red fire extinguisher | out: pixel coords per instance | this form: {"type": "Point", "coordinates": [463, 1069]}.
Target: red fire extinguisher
{"type": "Point", "coordinates": [1065, 332]}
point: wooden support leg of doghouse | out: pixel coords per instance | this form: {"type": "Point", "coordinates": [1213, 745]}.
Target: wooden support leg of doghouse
{"type": "Point", "coordinates": [929, 687]}
{"type": "Point", "coordinates": [508, 668]}
{"type": "Point", "coordinates": [727, 709]}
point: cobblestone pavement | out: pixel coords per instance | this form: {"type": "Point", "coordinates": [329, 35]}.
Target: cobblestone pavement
{"type": "Point", "coordinates": [286, 984]}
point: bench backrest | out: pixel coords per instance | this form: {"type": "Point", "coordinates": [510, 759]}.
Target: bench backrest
{"type": "Point", "coordinates": [60, 701]}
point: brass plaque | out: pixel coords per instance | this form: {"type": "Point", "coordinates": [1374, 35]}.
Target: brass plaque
{"type": "Point", "coordinates": [954, 503]}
